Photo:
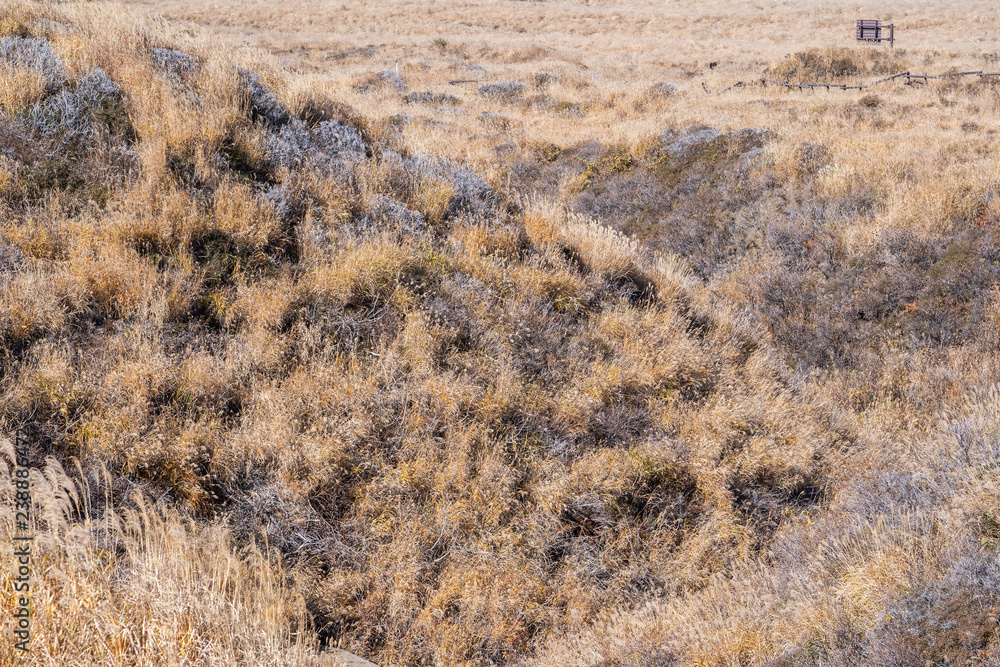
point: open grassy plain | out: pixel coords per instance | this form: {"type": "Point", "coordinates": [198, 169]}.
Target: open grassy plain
{"type": "Point", "coordinates": [586, 360]}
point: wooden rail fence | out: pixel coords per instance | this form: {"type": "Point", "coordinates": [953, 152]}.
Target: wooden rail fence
{"type": "Point", "coordinates": [910, 77]}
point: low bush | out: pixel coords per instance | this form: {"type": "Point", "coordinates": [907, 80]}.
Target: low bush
{"type": "Point", "coordinates": [836, 64]}
{"type": "Point", "coordinates": [503, 91]}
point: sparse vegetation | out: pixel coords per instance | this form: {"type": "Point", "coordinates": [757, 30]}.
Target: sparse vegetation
{"type": "Point", "coordinates": [588, 370]}
{"type": "Point", "coordinates": [504, 91]}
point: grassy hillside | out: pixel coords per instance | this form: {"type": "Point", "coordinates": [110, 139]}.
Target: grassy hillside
{"type": "Point", "coordinates": [561, 366]}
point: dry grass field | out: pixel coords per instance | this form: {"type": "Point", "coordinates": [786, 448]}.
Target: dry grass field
{"type": "Point", "coordinates": [585, 360]}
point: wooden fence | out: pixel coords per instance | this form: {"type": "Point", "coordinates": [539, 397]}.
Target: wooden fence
{"type": "Point", "coordinates": [911, 79]}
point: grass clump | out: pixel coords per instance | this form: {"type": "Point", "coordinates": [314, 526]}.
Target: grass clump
{"type": "Point", "coordinates": [836, 64]}
{"type": "Point", "coordinates": [503, 91]}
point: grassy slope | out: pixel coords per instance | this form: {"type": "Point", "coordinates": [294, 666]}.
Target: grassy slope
{"type": "Point", "coordinates": [476, 426]}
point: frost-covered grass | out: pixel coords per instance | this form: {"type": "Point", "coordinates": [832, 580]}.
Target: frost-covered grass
{"type": "Point", "coordinates": [504, 91]}
{"type": "Point", "coordinates": [327, 144]}
{"type": "Point", "coordinates": [33, 54]}
{"type": "Point", "coordinates": [76, 118]}
{"type": "Point", "coordinates": [261, 103]}
{"type": "Point", "coordinates": [177, 63]}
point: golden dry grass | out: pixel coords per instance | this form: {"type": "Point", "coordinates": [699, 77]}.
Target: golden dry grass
{"type": "Point", "coordinates": [549, 373]}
